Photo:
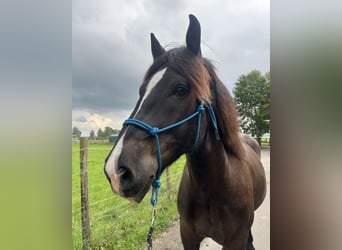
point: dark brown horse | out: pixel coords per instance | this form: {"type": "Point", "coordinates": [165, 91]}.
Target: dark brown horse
{"type": "Point", "coordinates": [223, 180]}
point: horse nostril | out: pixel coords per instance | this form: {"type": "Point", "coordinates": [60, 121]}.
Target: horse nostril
{"type": "Point", "coordinates": [127, 176]}
{"type": "Point", "coordinates": [120, 170]}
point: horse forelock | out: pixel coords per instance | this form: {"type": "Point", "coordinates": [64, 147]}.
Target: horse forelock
{"type": "Point", "coordinates": [191, 67]}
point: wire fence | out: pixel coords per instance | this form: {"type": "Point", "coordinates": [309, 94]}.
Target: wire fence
{"type": "Point", "coordinates": [116, 223]}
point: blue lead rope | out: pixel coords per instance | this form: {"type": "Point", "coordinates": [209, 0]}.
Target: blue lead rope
{"type": "Point", "coordinates": [154, 131]}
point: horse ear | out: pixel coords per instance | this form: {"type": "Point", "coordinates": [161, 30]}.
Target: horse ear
{"type": "Point", "coordinates": [157, 49]}
{"type": "Point", "coordinates": [193, 36]}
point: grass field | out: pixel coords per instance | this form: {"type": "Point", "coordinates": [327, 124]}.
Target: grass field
{"type": "Point", "coordinates": [115, 222]}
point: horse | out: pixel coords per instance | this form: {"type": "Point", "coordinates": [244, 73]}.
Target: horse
{"type": "Point", "coordinates": [184, 108]}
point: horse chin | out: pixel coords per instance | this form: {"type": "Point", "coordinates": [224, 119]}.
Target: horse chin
{"type": "Point", "coordinates": [141, 194]}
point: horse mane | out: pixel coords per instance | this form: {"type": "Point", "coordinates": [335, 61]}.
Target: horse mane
{"type": "Point", "coordinates": [200, 73]}
{"type": "Point", "coordinates": [226, 114]}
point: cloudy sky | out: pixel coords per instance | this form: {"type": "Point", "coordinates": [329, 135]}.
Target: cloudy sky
{"type": "Point", "coordinates": [111, 48]}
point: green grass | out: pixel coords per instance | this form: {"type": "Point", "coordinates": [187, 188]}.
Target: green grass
{"type": "Point", "coordinates": [265, 144]}
{"type": "Point", "coordinates": [115, 222]}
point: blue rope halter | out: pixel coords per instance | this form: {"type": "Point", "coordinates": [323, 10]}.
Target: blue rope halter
{"type": "Point", "coordinates": [154, 131]}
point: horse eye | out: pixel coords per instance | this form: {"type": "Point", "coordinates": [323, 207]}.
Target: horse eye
{"type": "Point", "coordinates": [181, 91]}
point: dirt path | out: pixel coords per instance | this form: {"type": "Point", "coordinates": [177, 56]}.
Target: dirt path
{"type": "Point", "coordinates": [170, 239]}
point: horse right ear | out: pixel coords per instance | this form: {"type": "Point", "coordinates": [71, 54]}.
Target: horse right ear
{"type": "Point", "coordinates": [193, 36]}
{"type": "Point", "coordinates": [156, 48]}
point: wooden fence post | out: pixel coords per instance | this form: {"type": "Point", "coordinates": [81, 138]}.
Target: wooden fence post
{"type": "Point", "coordinates": [84, 191]}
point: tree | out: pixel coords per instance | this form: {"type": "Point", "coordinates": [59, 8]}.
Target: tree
{"type": "Point", "coordinates": [92, 135]}
{"type": "Point", "coordinates": [99, 134]}
{"type": "Point", "coordinates": [252, 98]}
{"type": "Point", "coordinates": [108, 131]}
{"type": "Point", "coordinates": [76, 133]}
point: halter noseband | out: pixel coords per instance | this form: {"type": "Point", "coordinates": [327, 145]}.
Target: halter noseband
{"type": "Point", "coordinates": [154, 131]}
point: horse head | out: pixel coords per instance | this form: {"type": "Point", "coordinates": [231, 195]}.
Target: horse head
{"type": "Point", "coordinates": [175, 87]}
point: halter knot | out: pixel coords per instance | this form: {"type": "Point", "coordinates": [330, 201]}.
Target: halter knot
{"type": "Point", "coordinates": [154, 131]}
{"type": "Point", "coordinates": [200, 107]}
{"type": "Point", "coordinates": [156, 183]}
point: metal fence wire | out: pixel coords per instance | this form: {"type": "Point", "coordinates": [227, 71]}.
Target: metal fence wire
{"type": "Point", "coordinates": [114, 222]}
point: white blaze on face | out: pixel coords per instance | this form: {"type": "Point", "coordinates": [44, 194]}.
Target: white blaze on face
{"type": "Point", "coordinates": [113, 159]}
{"type": "Point", "coordinates": [112, 162]}
{"type": "Point", "coordinates": [151, 84]}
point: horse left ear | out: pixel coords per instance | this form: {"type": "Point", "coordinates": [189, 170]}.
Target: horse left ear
{"type": "Point", "coordinates": [193, 36]}
{"type": "Point", "coordinates": [156, 48]}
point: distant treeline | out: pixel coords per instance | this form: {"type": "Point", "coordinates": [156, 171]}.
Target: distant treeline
{"type": "Point", "coordinates": [100, 134]}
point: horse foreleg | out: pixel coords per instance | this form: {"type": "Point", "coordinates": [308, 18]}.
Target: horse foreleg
{"type": "Point", "coordinates": [190, 240]}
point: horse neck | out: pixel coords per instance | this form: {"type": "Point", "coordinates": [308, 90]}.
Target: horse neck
{"type": "Point", "coordinates": [209, 163]}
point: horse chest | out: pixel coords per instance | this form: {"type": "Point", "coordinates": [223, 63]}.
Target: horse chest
{"type": "Point", "coordinates": [211, 211]}
{"type": "Point", "coordinates": [207, 218]}
{"type": "Point", "coordinates": [209, 215]}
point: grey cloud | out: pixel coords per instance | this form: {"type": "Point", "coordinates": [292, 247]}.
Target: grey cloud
{"type": "Point", "coordinates": [80, 119]}
{"type": "Point", "coordinates": [111, 49]}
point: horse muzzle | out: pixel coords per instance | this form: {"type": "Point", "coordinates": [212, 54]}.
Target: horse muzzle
{"type": "Point", "coordinates": [126, 183]}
